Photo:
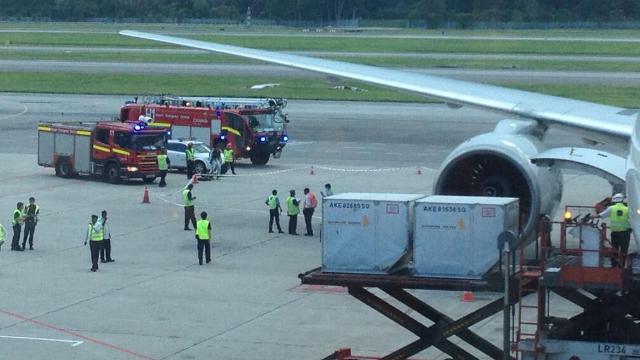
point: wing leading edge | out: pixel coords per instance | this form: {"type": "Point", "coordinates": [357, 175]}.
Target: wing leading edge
{"type": "Point", "coordinates": [586, 116]}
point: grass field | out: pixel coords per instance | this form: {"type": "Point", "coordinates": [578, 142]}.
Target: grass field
{"type": "Point", "coordinates": [80, 35]}
{"type": "Point", "coordinates": [289, 87]}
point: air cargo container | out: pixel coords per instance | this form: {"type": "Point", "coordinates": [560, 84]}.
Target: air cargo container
{"type": "Point", "coordinates": [456, 236]}
{"type": "Point", "coordinates": [367, 232]}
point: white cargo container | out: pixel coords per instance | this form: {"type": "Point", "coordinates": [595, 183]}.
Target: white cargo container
{"type": "Point", "coordinates": [456, 236]}
{"type": "Point", "coordinates": [366, 232]}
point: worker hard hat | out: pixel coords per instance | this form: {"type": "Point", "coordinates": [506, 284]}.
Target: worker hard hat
{"type": "Point", "coordinates": [617, 198]}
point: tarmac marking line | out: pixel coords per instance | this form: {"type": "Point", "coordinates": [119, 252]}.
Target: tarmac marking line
{"type": "Point", "coordinates": [78, 335]}
{"type": "Point", "coordinates": [24, 110]}
{"type": "Point", "coordinates": [73, 343]}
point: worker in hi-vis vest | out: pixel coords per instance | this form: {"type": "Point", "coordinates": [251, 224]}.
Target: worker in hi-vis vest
{"type": "Point", "coordinates": [618, 214]}
{"type": "Point", "coordinates": [191, 160]}
{"type": "Point", "coordinates": [293, 209]}
{"type": "Point", "coordinates": [274, 210]}
{"type": "Point", "coordinates": [203, 236]}
{"type": "Point", "coordinates": [163, 167]}
{"type": "Point", "coordinates": [16, 222]}
{"type": "Point", "coordinates": [189, 208]}
{"type": "Point", "coordinates": [229, 159]}
{"type": "Point", "coordinates": [94, 237]}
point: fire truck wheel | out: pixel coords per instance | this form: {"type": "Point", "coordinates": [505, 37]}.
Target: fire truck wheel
{"type": "Point", "coordinates": [260, 158]}
{"type": "Point", "coordinates": [63, 168]}
{"type": "Point", "coordinates": [112, 174]}
{"type": "Point", "coordinates": [200, 167]}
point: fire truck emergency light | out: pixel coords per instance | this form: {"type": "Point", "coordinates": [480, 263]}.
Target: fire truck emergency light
{"type": "Point", "coordinates": [263, 139]}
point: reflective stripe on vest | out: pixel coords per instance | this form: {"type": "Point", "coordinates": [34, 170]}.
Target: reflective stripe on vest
{"type": "Point", "coordinates": [13, 220]}
{"type": "Point", "coordinates": [619, 216]}
{"type": "Point", "coordinates": [185, 198]}
{"type": "Point", "coordinates": [202, 229]}
{"type": "Point", "coordinates": [228, 155]}
{"type": "Point", "coordinates": [292, 209]}
{"type": "Point", "coordinates": [162, 162]}
{"type": "Point", "coordinates": [190, 154]}
{"type": "Point", "coordinates": [272, 201]}
{"type": "Point", "coordinates": [96, 235]}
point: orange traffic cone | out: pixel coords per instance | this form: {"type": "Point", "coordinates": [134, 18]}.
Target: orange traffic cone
{"type": "Point", "coordinates": [145, 198]}
{"type": "Point", "coordinates": [419, 172]}
{"type": "Point", "coordinates": [467, 296]}
{"type": "Point", "coordinates": [312, 172]}
{"type": "Point", "coordinates": [194, 179]}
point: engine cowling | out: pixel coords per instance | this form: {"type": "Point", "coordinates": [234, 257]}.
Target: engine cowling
{"type": "Point", "coordinates": [499, 164]}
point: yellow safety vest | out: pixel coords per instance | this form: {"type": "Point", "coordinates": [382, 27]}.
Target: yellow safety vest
{"type": "Point", "coordinates": [13, 220]}
{"type": "Point", "coordinates": [619, 216]}
{"type": "Point", "coordinates": [96, 235]}
{"type": "Point", "coordinates": [202, 229]}
{"type": "Point", "coordinates": [190, 154]}
{"type": "Point", "coordinates": [272, 201]}
{"type": "Point", "coordinates": [292, 209]}
{"type": "Point", "coordinates": [228, 155]}
{"type": "Point", "coordinates": [3, 233]}
{"type": "Point", "coordinates": [162, 162]}
{"type": "Point", "coordinates": [185, 198]}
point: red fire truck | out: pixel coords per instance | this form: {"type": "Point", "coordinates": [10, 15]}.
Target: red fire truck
{"type": "Point", "coordinates": [112, 150]}
{"type": "Point", "coordinates": [255, 128]}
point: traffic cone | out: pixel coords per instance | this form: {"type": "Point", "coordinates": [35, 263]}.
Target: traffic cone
{"type": "Point", "coordinates": [467, 296]}
{"type": "Point", "coordinates": [194, 179]}
{"type": "Point", "coordinates": [312, 172]}
{"type": "Point", "coordinates": [145, 198]}
{"type": "Point", "coordinates": [419, 172]}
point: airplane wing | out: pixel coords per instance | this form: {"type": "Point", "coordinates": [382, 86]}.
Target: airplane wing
{"type": "Point", "coordinates": [590, 118]}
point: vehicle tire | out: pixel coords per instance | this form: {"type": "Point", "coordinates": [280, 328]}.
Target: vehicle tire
{"type": "Point", "coordinates": [149, 180]}
{"type": "Point", "coordinates": [260, 158]}
{"type": "Point", "coordinates": [200, 167]}
{"type": "Point", "coordinates": [63, 168]}
{"type": "Point", "coordinates": [112, 173]}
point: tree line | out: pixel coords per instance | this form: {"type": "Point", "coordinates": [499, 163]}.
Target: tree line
{"type": "Point", "coordinates": [432, 12]}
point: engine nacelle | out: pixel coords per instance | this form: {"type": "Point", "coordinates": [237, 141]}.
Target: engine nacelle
{"type": "Point", "coordinates": [499, 164]}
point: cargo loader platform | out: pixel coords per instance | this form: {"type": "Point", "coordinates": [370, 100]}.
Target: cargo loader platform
{"type": "Point", "coordinates": [444, 327]}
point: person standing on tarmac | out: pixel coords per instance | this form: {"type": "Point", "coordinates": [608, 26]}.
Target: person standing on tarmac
{"type": "Point", "coordinates": [163, 167]}
{"type": "Point", "coordinates": [309, 206]}
{"type": "Point", "coordinates": [3, 233]}
{"type": "Point", "coordinates": [18, 218]}
{"type": "Point", "coordinates": [293, 209]}
{"type": "Point", "coordinates": [31, 212]}
{"type": "Point", "coordinates": [94, 237]}
{"type": "Point", "coordinates": [191, 160]}
{"type": "Point", "coordinates": [618, 214]}
{"type": "Point", "coordinates": [215, 162]}
{"type": "Point", "coordinates": [105, 250]}
{"type": "Point", "coordinates": [327, 191]}
{"type": "Point", "coordinates": [274, 210]}
{"type": "Point", "coordinates": [189, 209]}
{"type": "Point", "coordinates": [203, 235]}
{"type": "Point", "coordinates": [229, 159]}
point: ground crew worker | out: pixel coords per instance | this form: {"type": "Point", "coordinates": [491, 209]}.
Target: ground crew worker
{"type": "Point", "coordinates": [3, 233]}
{"type": "Point", "coordinates": [191, 160]}
{"type": "Point", "coordinates": [17, 220]}
{"type": "Point", "coordinates": [618, 214]}
{"type": "Point", "coordinates": [215, 162]}
{"type": "Point", "coordinates": [293, 209]}
{"type": "Point", "coordinates": [31, 213]}
{"type": "Point", "coordinates": [274, 210]}
{"type": "Point", "coordinates": [163, 167]}
{"type": "Point", "coordinates": [189, 210]}
{"type": "Point", "coordinates": [105, 251]}
{"type": "Point", "coordinates": [203, 235]}
{"type": "Point", "coordinates": [229, 159]}
{"type": "Point", "coordinates": [309, 206]}
{"type": "Point", "coordinates": [94, 237]}
{"type": "Point", "coordinates": [327, 191]}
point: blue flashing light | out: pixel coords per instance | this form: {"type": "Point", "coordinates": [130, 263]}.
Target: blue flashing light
{"type": "Point", "coordinates": [137, 127]}
{"type": "Point", "coordinates": [285, 138]}
{"type": "Point", "coordinates": [222, 137]}
{"type": "Point", "coordinates": [263, 139]}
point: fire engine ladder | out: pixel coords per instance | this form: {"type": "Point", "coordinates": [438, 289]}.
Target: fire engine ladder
{"type": "Point", "coordinates": [530, 312]}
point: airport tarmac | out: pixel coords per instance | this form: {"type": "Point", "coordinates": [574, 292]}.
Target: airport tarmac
{"type": "Point", "coordinates": [155, 302]}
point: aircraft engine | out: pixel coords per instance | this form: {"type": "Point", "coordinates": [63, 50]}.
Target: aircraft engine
{"type": "Point", "coordinates": [499, 164]}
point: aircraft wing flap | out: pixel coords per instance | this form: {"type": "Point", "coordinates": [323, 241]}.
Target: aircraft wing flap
{"type": "Point", "coordinates": [548, 109]}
